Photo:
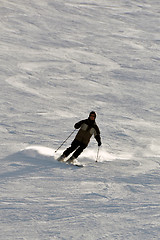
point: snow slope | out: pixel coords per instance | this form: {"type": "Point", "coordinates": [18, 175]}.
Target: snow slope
{"type": "Point", "coordinates": [58, 61]}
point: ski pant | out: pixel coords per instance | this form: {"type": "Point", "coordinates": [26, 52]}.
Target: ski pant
{"type": "Point", "coordinates": [75, 145]}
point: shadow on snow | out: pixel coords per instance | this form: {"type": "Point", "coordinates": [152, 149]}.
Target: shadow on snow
{"type": "Point", "coordinates": [30, 160]}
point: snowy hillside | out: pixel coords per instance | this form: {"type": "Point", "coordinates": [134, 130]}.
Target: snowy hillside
{"type": "Point", "coordinates": [60, 59]}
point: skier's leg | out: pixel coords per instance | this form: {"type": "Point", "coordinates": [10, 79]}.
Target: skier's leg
{"type": "Point", "coordinates": [78, 151]}
{"type": "Point", "coordinates": [73, 147]}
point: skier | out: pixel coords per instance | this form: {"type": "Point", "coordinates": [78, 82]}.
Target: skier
{"type": "Point", "coordinates": [88, 127]}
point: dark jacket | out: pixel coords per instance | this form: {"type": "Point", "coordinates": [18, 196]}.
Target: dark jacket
{"type": "Point", "coordinates": [87, 129]}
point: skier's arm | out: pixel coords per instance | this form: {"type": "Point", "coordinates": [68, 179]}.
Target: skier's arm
{"type": "Point", "coordinates": [97, 136]}
{"type": "Point", "coordinates": [78, 124]}
{"type": "Point", "coordinates": [98, 139]}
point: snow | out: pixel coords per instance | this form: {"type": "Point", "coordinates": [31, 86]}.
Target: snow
{"type": "Point", "coordinates": [59, 60]}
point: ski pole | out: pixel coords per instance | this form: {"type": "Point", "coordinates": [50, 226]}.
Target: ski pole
{"type": "Point", "coordinates": [65, 140]}
{"type": "Point", "coordinates": [97, 154]}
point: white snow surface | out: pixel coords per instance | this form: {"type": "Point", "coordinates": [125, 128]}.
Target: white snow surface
{"type": "Point", "coordinates": [59, 60]}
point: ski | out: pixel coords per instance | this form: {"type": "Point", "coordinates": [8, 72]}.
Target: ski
{"type": "Point", "coordinates": [76, 163]}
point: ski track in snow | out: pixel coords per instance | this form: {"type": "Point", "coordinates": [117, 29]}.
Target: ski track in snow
{"type": "Point", "coordinates": [60, 60]}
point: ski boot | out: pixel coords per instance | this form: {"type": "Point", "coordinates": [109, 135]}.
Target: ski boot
{"type": "Point", "coordinates": [61, 158]}
{"type": "Point", "coordinates": [70, 160]}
